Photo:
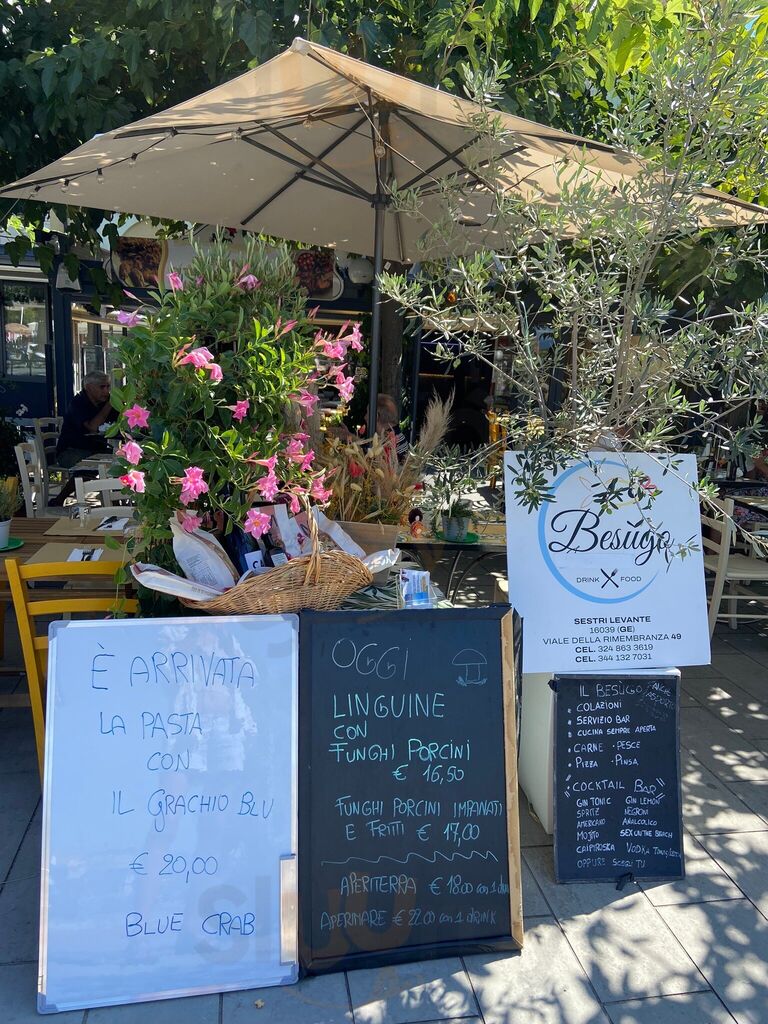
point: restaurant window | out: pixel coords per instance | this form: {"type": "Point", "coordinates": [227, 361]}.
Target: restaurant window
{"type": "Point", "coordinates": [24, 329]}
{"type": "Point", "coordinates": [94, 344]}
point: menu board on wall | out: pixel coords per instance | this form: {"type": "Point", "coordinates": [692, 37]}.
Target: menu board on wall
{"type": "Point", "coordinates": [617, 777]}
{"type": "Point", "coordinates": [608, 573]}
{"type": "Point", "coordinates": [170, 809]}
{"type": "Point", "coordinates": [408, 818]}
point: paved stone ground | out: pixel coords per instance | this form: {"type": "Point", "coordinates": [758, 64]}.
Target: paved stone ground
{"type": "Point", "coordinates": [690, 952]}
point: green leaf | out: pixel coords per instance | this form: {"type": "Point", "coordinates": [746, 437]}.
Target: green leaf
{"type": "Point", "coordinates": [48, 77]}
{"type": "Point", "coordinates": [533, 9]}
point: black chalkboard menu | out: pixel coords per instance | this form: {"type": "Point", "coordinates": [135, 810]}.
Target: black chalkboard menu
{"type": "Point", "coordinates": [617, 777]}
{"type": "Point", "coordinates": [408, 817]}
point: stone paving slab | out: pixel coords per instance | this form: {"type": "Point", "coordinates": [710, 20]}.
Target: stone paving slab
{"type": "Point", "coordinates": [19, 795]}
{"type": "Point", "coordinates": [704, 879]}
{"type": "Point", "coordinates": [745, 857]}
{"type": "Point", "coordinates": [17, 743]}
{"type": "Point", "coordinates": [729, 943]}
{"type": "Point", "coordinates": [321, 1000]}
{"type": "Point", "coordinates": [534, 904]}
{"type": "Point", "coordinates": [736, 708]}
{"type": "Point", "coordinates": [728, 755]}
{"type": "Point", "coordinates": [744, 670]}
{"type": "Point", "coordinates": [544, 985]}
{"type": "Point", "coordinates": [406, 993]}
{"type": "Point", "coordinates": [696, 1008]}
{"type": "Point", "coordinates": [619, 938]}
{"type": "Point", "coordinates": [20, 900]}
{"type": "Point", "coordinates": [18, 997]}
{"type": "Point", "coordinates": [193, 1010]}
{"type": "Point", "coordinates": [709, 806]}
{"type": "Point", "coordinates": [753, 795]}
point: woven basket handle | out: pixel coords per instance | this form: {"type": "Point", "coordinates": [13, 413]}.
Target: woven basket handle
{"type": "Point", "coordinates": [313, 565]}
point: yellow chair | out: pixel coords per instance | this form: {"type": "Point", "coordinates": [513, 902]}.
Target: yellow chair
{"type": "Point", "coordinates": [30, 604]}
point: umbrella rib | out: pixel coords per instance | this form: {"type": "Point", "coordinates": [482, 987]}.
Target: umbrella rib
{"type": "Point", "coordinates": [334, 172]}
{"type": "Point", "coordinates": [317, 179]}
{"type": "Point", "coordinates": [439, 163]}
{"type": "Point", "coordinates": [302, 173]}
{"type": "Point", "coordinates": [438, 145]}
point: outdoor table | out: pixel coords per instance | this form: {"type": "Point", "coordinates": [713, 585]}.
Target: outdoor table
{"type": "Point", "coordinates": [83, 529]}
{"type": "Point", "coordinates": [753, 501]}
{"type": "Point", "coordinates": [94, 463]}
{"type": "Point", "coordinates": [429, 550]}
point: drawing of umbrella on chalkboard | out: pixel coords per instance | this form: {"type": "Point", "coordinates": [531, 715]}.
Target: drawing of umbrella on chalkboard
{"type": "Point", "coordinates": [472, 662]}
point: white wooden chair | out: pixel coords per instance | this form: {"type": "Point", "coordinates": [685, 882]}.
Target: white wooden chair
{"type": "Point", "coordinates": [103, 494]}
{"type": "Point", "coordinates": [732, 570]}
{"type": "Point", "coordinates": [31, 477]}
{"type": "Point", "coordinates": [47, 430]}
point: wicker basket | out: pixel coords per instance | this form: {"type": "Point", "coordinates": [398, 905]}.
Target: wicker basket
{"type": "Point", "coordinates": [320, 581]}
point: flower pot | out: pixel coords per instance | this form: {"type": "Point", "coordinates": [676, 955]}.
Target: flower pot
{"type": "Point", "coordinates": [372, 536]}
{"type": "Point", "coordinates": [5, 533]}
{"type": "Point", "coordinates": [455, 528]}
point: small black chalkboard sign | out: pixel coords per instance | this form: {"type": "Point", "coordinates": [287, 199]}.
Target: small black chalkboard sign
{"type": "Point", "coordinates": [408, 816]}
{"type": "Point", "coordinates": [617, 777]}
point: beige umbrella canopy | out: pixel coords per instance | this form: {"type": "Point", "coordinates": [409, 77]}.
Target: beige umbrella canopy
{"type": "Point", "coordinates": [305, 146]}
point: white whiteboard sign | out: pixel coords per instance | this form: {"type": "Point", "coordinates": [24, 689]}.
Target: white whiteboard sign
{"type": "Point", "coordinates": [602, 590]}
{"type": "Point", "coordinates": [170, 809]}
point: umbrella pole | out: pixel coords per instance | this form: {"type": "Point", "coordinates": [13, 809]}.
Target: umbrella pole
{"type": "Point", "coordinates": [378, 266]}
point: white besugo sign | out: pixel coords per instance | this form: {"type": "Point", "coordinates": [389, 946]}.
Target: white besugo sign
{"type": "Point", "coordinates": [609, 574]}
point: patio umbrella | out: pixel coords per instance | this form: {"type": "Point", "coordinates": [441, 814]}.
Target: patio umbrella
{"type": "Point", "coordinates": [307, 146]}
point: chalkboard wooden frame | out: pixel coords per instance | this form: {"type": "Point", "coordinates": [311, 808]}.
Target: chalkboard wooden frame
{"type": "Point", "coordinates": [310, 961]}
{"type": "Point", "coordinates": [620, 877]}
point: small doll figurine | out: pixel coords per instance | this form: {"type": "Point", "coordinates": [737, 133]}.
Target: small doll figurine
{"type": "Point", "coordinates": [416, 519]}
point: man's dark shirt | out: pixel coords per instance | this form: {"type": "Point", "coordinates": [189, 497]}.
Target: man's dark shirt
{"type": "Point", "coordinates": [73, 429]}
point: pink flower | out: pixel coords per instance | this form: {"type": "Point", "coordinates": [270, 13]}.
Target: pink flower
{"type": "Point", "coordinates": [356, 338]}
{"type": "Point", "coordinates": [240, 409]}
{"type": "Point", "coordinates": [331, 349]}
{"type": "Point", "coordinates": [133, 479]}
{"type": "Point", "coordinates": [192, 485]}
{"type": "Point", "coordinates": [128, 319]}
{"type": "Point", "coordinates": [256, 523]}
{"type": "Point", "coordinates": [175, 281]}
{"type": "Point", "coordinates": [270, 463]}
{"type": "Point", "coordinates": [307, 400]}
{"type": "Point", "coordinates": [199, 280]}
{"type": "Point", "coordinates": [137, 416]}
{"type": "Point", "coordinates": [301, 437]}
{"type": "Point", "coordinates": [200, 358]}
{"type": "Point", "coordinates": [346, 386]}
{"type": "Point", "coordinates": [215, 371]}
{"type": "Point", "coordinates": [190, 522]}
{"type": "Point", "coordinates": [283, 328]}
{"type": "Point", "coordinates": [248, 283]}
{"type": "Point", "coordinates": [318, 489]}
{"type": "Point", "coordinates": [268, 487]}
{"type": "Point", "coordinates": [306, 462]}
{"type": "Point", "coordinates": [131, 452]}
{"type": "Point", "coordinates": [294, 450]}
{"type": "Point", "coordinates": [295, 504]}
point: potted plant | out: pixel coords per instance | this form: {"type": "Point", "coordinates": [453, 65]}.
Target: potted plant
{"type": "Point", "coordinates": [456, 475]}
{"type": "Point", "coordinates": [10, 500]}
{"type": "Point", "coordinates": [219, 387]}
{"type": "Point", "coordinates": [371, 488]}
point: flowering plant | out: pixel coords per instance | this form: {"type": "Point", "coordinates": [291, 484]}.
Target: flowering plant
{"type": "Point", "coordinates": [218, 386]}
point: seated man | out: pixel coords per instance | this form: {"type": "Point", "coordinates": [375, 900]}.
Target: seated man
{"type": "Point", "coordinates": [89, 410]}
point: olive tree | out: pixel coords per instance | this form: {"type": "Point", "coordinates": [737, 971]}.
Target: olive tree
{"type": "Point", "coordinates": [643, 360]}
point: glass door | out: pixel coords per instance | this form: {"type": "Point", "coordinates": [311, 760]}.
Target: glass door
{"type": "Point", "coordinates": [26, 353]}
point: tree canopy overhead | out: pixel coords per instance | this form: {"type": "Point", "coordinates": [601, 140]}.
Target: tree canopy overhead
{"type": "Point", "coordinates": [72, 69]}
